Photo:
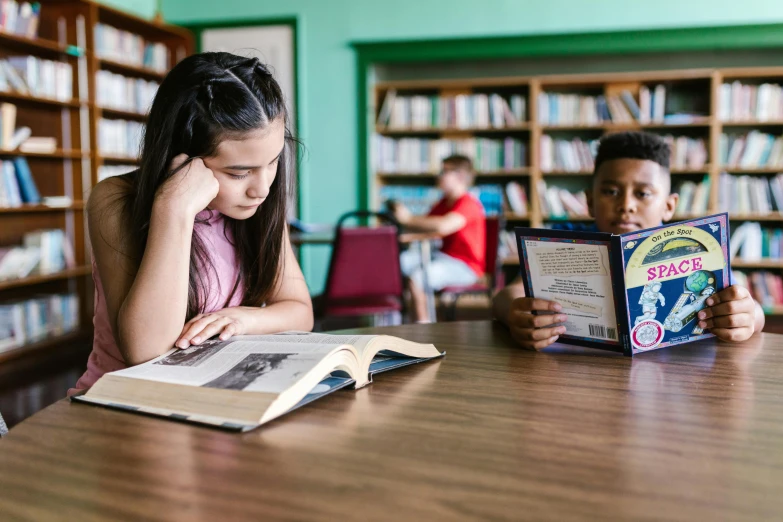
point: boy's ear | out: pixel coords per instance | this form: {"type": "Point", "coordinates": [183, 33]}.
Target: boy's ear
{"type": "Point", "coordinates": [671, 206]}
{"type": "Point", "coordinates": [589, 196]}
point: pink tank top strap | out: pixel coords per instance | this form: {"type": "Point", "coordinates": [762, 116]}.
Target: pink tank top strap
{"type": "Point", "coordinates": [211, 227]}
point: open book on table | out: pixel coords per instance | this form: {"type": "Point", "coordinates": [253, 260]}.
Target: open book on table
{"type": "Point", "coordinates": [249, 380]}
{"type": "Point", "coordinates": [632, 292]}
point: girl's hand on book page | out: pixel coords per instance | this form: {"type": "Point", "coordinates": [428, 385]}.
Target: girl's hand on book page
{"type": "Point", "coordinates": [535, 331]}
{"type": "Point", "coordinates": [730, 314]}
{"type": "Point", "coordinates": [191, 187]}
{"type": "Point", "coordinates": [226, 322]}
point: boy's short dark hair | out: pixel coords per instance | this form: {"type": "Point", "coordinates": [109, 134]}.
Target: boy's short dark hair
{"type": "Point", "coordinates": [633, 145]}
{"type": "Point", "coordinates": [459, 162]}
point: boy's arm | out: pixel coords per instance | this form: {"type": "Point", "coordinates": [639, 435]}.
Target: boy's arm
{"type": "Point", "coordinates": [732, 314]}
{"type": "Point", "coordinates": [501, 303]}
{"type": "Point", "coordinates": [440, 225]}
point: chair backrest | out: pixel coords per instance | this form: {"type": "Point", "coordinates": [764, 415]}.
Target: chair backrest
{"type": "Point", "coordinates": [365, 260]}
{"type": "Point", "coordinates": [493, 266]}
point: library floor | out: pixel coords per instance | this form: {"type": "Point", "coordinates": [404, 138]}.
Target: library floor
{"type": "Point", "coordinates": [31, 386]}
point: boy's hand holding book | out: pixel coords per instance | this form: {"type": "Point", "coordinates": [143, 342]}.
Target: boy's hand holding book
{"type": "Point", "coordinates": [730, 314]}
{"type": "Point", "coordinates": [531, 331]}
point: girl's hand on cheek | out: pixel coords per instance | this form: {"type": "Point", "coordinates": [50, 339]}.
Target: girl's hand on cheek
{"type": "Point", "coordinates": [191, 188]}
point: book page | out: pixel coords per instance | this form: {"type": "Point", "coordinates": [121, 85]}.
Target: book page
{"type": "Point", "coordinates": [265, 363]}
{"type": "Point", "coordinates": [578, 276]}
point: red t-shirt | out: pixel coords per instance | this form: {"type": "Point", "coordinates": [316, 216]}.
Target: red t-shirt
{"type": "Point", "coordinates": [469, 243]}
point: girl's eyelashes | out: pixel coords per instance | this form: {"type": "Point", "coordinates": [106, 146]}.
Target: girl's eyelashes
{"type": "Point", "coordinates": [237, 176]}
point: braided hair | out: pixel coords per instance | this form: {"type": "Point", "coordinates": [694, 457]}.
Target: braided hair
{"type": "Point", "coordinates": [205, 99]}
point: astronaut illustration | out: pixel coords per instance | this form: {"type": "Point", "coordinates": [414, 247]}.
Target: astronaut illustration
{"type": "Point", "coordinates": [682, 313]}
{"type": "Point", "coordinates": [651, 294]}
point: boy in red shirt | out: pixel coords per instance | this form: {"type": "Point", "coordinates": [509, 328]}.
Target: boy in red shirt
{"type": "Point", "coordinates": [459, 219]}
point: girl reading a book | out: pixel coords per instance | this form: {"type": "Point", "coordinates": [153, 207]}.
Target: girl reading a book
{"type": "Point", "coordinates": [193, 244]}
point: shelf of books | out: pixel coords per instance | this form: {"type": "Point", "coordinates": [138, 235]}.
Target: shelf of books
{"type": "Point", "coordinates": [533, 140]}
{"type": "Point", "coordinates": [131, 57]}
{"type": "Point", "coordinates": [50, 56]}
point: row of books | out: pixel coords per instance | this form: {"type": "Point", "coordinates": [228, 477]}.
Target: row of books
{"type": "Point", "coordinates": [567, 155]}
{"type": "Point", "coordinates": [751, 242]}
{"type": "Point", "coordinates": [107, 171]}
{"type": "Point", "coordinates": [17, 186]}
{"type": "Point", "coordinates": [557, 202]}
{"type": "Point", "coordinates": [41, 252]}
{"type": "Point", "coordinates": [686, 153]}
{"type": "Point", "coordinates": [31, 320]}
{"type": "Point", "coordinates": [13, 138]}
{"type": "Point", "coordinates": [764, 286]}
{"type": "Point", "coordinates": [419, 200]}
{"type": "Point", "coordinates": [127, 94]}
{"type": "Point", "coordinates": [694, 197]}
{"type": "Point", "coordinates": [516, 196]}
{"type": "Point", "coordinates": [463, 111]}
{"type": "Point", "coordinates": [119, 137]}
{"type": "Point", "coordinates": [576, 109]}
{"type": "Point", "coordinates": [20, 18]}
{"type": "Point", "coordinates": [37, 77]}
{"type": "Point", "coordinates": [748, 194]}
{"type": "Point", "coordinates": [507, 246]}
{"type": "Point", "coordinates": [742, 102]}
{"type": "Point", "coordinates": [123, 46]}
{"type": "Point", "coordinates": [421, 155]}
{"type": "Point", "coordinates": [752, 150]}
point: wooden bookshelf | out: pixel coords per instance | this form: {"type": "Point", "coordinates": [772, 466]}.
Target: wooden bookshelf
{"type": "Point", "coordinates": [76, 205]}
{"type": "Point", "coordinates": [128, 69]}
{"type": "Point", "coordinates": [36, 46]}
{"type": "Point", "coordinates": [66, 33]}
{"type": "Point", "coordinates": [512, 173]}
{"type": "Point", "coordinates": [762, 263]}
{"type": "Point", "coordinates": [178, 42]}
{"type": "Point", "coordinates": [122, 114]}
{"type": "Point", "coordinates": [115, 159]}
{"type": "Point", "coordinates": [47, 344]}
{"type": "Point", "coordinates": [46, 278]}
{"type": "Point", "coordinates": [58, 154]}
{"type": "Point", "coordinates": [702, 85]}
{"type": "Point", "coordinates": [26, 99]}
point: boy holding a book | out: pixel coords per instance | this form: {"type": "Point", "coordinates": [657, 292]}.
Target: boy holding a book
{"type": "Point", "coordinates": [631, 191]}
{"type": "Point", "coordinates": [458, 218]}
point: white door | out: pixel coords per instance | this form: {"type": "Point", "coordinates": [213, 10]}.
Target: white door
{"type": "Point", "coordinates": [274, 46]}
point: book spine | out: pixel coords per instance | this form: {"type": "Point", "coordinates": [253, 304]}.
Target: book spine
{"type": "Point", "coordinates": [617, 267]}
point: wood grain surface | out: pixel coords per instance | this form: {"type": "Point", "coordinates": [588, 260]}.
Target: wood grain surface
{"type": "Point", "coordinates": [490, 432]}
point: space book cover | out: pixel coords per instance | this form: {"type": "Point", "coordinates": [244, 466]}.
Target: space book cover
{"type": "Point", "coordinates": [633, 292]}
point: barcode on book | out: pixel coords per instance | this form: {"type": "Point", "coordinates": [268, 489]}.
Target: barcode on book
{"type": "Point", "coordinates": [599, 330]}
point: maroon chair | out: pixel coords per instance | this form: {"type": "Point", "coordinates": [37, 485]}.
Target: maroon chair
{"type": "Point", "coordinates": [364, 271]}
{"type": "Point", "coordinates": [492, 269]}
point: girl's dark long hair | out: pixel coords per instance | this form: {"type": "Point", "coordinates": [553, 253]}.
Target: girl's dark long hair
{"type": "Point", "coordinates": [203, 100]}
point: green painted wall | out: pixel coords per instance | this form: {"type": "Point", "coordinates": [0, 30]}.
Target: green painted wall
{"type": "Point", "coordinates": [327, 69]}
{"type": "Point", "coordinates": [143, 8]}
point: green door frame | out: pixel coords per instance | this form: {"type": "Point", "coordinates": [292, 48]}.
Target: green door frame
{"type": "Point", "coordinates": [618, 42]}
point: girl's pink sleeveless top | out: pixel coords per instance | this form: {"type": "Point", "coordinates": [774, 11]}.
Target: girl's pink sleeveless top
{"type": "Point", "coordinates": [105, 356]}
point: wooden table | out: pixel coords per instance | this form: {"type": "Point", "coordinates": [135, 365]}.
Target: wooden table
{"type": "Point", "coordinates": [490, 432]}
